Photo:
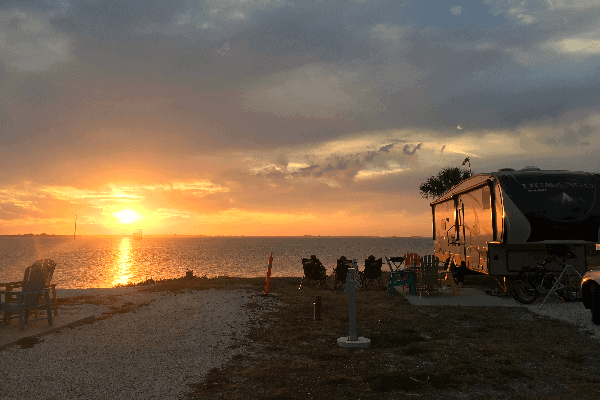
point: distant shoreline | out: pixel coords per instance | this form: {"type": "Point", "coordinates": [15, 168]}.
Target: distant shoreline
{"type": "Point", "coordinates": [28, 235]}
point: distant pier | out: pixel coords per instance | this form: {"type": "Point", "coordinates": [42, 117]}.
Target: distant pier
{"type": "Point", "coordinates": [137, 234]}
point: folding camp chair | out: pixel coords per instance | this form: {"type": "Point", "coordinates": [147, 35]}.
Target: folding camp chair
{"type": "Point", "coordinates": [341, 271]}
{"type": "Point", "coordinates": [372, 271]}
{"type": "Point", "coordinates": [314, 271]}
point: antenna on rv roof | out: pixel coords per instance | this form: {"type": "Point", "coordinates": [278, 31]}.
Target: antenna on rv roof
{"type": "Point", "coordinates": [468, 160]}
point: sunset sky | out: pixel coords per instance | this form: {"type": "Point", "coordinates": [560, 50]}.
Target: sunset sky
{"type": "Point", "coordinates": [281, 117]}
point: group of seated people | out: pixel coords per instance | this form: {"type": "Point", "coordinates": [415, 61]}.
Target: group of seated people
{"type": "Point", "coordinates": [315, 270]}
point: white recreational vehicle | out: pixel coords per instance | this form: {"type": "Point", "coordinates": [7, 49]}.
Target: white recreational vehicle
{"type": "Point", "coordinates": [498, 222]}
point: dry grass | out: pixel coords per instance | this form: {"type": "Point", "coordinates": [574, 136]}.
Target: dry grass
{"type": "Point", "coordinates": [178, 285]}
{"type": "Point", "coordinates": [417, 351]}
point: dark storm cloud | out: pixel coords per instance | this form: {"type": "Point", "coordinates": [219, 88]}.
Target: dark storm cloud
{"type": "Point", "coordinates": [406, 149]}
{"type": "Point", "coordinates": [30, 5]}
{"type": "Point", "coordinates": [499, 108]}
{"type": "Point", "coordinates": [413, 67]}
{"type": "Point", "coordinates": [113, 20]}
{"type": "Point", "coordinates": [339, 168]}
{"type": "Point", "coordinates": [291, 35]}
{"type": "Point", "coordinates": [573, 137]}
{"type": "Point", "coordinates": [383, 149]}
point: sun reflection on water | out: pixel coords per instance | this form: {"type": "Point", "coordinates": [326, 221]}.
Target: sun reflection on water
{"type": "Point", "coordinates": [122, 267]}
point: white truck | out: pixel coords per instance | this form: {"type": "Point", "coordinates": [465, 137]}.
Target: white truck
{"type": "Point", "coordinates": [590, 294]}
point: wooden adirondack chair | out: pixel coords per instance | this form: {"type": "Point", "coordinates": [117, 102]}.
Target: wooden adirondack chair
{"type": "Point", "coordinates": [48, 266]}
{"type": "Point", "coordinates": [446, 275]}
{"type": "Point", "coordinates": [412, 260]}
{"type": "Point", "coordinates": [33, 296]}
{"type": "Point", "coordinates": [428, 279]}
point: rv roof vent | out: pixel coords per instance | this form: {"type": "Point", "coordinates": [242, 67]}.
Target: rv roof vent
{"type": "Point", "coordinates": [505, 169]}
{"type": "Point", "coordinates": [530, 168]}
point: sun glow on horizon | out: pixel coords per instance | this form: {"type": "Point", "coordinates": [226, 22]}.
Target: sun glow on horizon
{"type": "Point", "coordinates": [126, 216]}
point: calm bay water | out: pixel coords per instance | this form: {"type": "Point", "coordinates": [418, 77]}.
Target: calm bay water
{"type": "Point", "coordinates": [95, 262]}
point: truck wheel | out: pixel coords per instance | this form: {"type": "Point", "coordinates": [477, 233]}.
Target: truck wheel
{"type": "Point", "coordinates": [595, 294]}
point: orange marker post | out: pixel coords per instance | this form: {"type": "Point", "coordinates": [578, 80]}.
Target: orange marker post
{"type": "Point", "coordinates": [269, 275]}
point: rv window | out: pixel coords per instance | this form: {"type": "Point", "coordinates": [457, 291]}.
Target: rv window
{"type": "Point", "coordinates": [486, 198]}
{"type": "Point", "coordinates": [499, 214]}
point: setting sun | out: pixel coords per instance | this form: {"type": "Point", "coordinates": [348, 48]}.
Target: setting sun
{"type": "Point", "coordinates": [126, 216]}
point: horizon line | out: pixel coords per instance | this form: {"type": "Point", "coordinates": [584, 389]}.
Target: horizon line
{"type": "Point", "coordinates": [201, 235]}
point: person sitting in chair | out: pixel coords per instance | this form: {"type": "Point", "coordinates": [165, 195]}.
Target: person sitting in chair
{"type": "Point", "coordinates": [318, 273]}
{"type": "Point", "coordinates": [316, 261]}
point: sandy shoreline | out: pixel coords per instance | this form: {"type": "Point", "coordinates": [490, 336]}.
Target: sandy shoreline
{"type": "Point", "coordinates": [154, 351]}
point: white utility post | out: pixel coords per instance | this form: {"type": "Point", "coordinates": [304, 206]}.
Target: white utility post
{"type": "Point", "coordinates": [352, 284]}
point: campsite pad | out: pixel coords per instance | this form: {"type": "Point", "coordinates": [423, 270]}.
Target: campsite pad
{"type": "Point", "coordinates": [68, 315]}
{"type": "Point", "coordinates": [474, 296]}
{"type": "Point", "coordinates": [467, 296]}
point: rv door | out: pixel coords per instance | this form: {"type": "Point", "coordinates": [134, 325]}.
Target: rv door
{"type": "Point", "coordinates": [460, 223]}
{"type": "Point", "coordinates": [461, 234]}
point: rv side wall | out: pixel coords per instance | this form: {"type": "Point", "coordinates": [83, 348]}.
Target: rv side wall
{"type": "Point", "coordinates": [464, 225]}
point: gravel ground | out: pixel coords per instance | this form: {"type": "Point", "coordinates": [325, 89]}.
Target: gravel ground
{"type": "Point", "coordinates": [156, 350]}
{"type": "Point", "coordinates": [572, 312]}
{"type": "Point", "coordinates": [150, 353]}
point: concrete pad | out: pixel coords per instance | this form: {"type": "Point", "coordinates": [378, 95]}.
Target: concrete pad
{"type": "Point", "coordinates": [470, 297]}
{"type": "Point", "coordinates": [360, 342]}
